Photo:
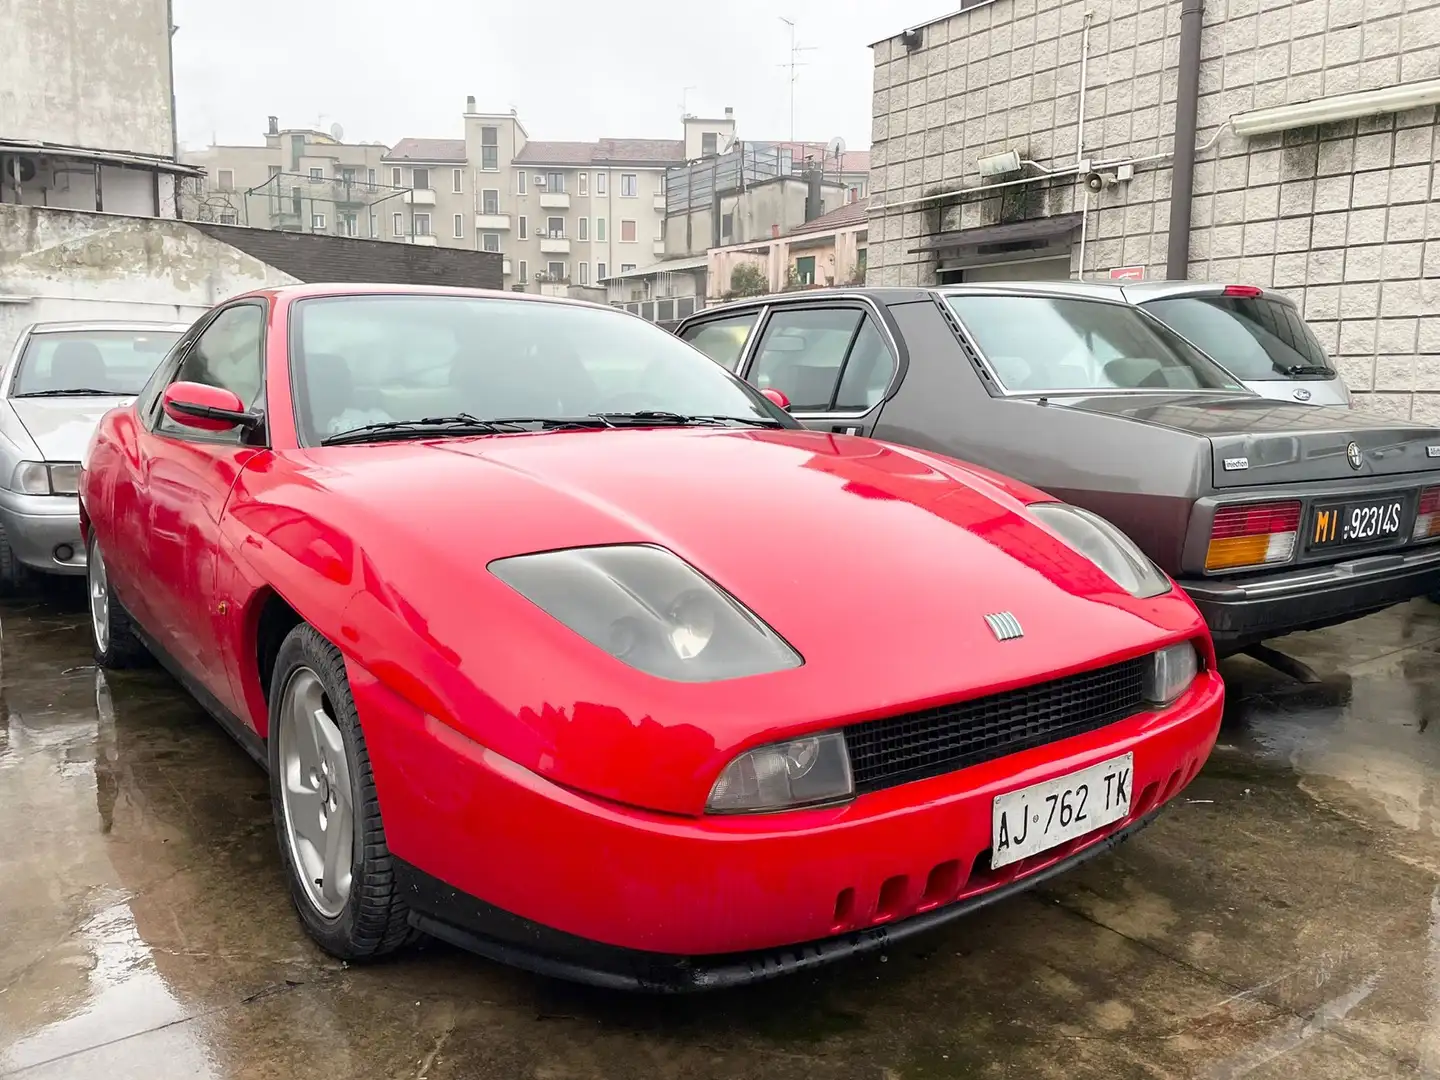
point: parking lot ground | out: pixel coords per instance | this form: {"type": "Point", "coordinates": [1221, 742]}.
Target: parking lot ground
{"type": "Point", "coordinates": [1281, 920]}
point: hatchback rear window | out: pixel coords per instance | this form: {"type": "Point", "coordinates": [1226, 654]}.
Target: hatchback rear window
{"type": "Point", "coordinates": [1255, 337]}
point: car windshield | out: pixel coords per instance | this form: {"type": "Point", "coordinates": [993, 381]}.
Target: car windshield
{"type": "Point", "coordinates": [1056, 344]}
{"type": "Point", "coordinates": [1253, 336]}
{"type": "Point", "coordinates": [365, 360]}
{"type": "Point", "coordinates": [75, 362]}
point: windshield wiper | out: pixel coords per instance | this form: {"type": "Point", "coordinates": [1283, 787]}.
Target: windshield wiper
{"type": "Point", "coordinates": [459, 424]}
{"type": "Point", "coordinates": [656, 416]}
{"type": "Point", "coordinates": [1306, 369]}
{"type": "Point", "coordinates": [81, 391]}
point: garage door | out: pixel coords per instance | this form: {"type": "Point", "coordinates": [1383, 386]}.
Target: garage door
{"type": "Point", "coordinates": [1029, 270]}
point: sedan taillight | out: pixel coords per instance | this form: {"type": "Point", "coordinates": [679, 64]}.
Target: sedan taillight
{"type": "Point", "coordinates": [1427, 518]}
{"type": "Point", "coordinates": [1257, 534]}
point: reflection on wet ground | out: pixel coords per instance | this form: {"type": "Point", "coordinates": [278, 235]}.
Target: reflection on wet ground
{"type": "Point", "coordinates": [1282, 921]}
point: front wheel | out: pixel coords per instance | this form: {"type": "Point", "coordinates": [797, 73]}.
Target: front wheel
{"type": "Point", "coordinates": [13, 573]}
{"type": "Point", "coordinates": [332, 841]}
{"type": "Point", "coordinates": [112, 634]}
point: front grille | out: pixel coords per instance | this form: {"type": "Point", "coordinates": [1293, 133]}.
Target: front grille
{"type": "Point", "coordinates": [899, 749]}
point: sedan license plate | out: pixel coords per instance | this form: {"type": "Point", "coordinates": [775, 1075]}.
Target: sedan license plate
{"type": "Point", "coordinates": [1044, 815]}
{"type": "Point", "coordinates": [1366, 521]}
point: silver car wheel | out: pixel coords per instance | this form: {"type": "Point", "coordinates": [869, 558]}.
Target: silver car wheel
{"type": "Point", "coordinates": [315, 793]}
{"type": "Point", "coordinates": [99, 597]}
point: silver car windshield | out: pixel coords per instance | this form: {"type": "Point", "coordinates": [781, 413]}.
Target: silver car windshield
{"type": "Point", "coordinates": [366, 360]}
{"type": "Point", "coordinates": [82, 362]}
{"type": "Point", "coordinates": [1253, 336]}
{"type": "Point", "coordinates": [1055, 344]}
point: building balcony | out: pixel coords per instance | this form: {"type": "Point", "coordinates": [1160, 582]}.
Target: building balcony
{"type": "Point", "coordinates": [421, 197]}
{"type": "Point", "coordinates": [492, 222]}
{"type": "Point", "coordinates": [659, 202]}
{"type": "Point", "coordinates": [554, 200]}
{"type": "Point", "coordinates": [554, 245]}
{"type": "Point", "coordinates": [426, 239]}
{"type": "Point", "coordinates": [356, 192]}
{"type": "Point", "coordinates": [658, 247]}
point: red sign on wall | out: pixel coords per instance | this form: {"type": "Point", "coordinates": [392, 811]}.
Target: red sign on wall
{"type": "Point", "coordinates": [1127, 273]}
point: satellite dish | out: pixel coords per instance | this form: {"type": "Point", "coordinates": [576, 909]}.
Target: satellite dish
{"type": "Point", "coordinates": [835, 148]}
{"type": "Point", "coordinates": [337, 132]}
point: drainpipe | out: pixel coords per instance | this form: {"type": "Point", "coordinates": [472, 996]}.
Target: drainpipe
{"type": "Point", "coordinates": [1182, 183]}
{"type": "Point", "coordinates": [1080, 141]}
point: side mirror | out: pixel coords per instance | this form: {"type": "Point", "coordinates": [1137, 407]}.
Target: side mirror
{"type": "Point", "coordinates": [206, 408]}
{"type": "Point", "coordinates": [777, 397]}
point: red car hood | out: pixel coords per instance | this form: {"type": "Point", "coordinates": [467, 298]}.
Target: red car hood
{"type": "Point", "coordinates": [876, 563]}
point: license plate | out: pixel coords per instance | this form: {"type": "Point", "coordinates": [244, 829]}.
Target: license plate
{"type": "Point", "coordinates": [1364, 521]}
{"type": "Point", "coordinates": [1042, 816]}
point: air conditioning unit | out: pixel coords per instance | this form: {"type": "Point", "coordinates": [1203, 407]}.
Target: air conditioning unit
{"type": "Point", "coordinates": [539, 180]}
{"type": "Point", "coordinates": [26, 171]}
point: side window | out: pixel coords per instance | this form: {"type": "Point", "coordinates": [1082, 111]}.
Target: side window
{"type": "Point", "coordinates": [229, 354]}
{"type": "Point", "coordinates": [723, 340]}
{"type": "Point", "coordinates": [824, 360]}
{"type": "Point", "coordinates": [161, 377]}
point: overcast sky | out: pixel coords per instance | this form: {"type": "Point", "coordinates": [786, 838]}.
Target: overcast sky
{"type": "Point", "coordinates": [386, 69]}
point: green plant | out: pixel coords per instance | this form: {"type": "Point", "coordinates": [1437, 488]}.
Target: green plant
{"type": "Point", "coordinates": [748, 279]}
{"type": "Point", "coordinates": [792, 279]}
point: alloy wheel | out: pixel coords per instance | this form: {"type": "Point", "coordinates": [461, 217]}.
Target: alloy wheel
{"type": "Point", "coordinates": [99, 588]}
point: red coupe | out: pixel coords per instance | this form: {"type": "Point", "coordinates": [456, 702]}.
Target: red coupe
{"type": "Point", "coordinates": [563, 644]}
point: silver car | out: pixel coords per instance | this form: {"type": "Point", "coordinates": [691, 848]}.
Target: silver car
{"type": "Point", "coordinates": [60, 379]}
{"type": "Point", "coordinates": [1257, 335]}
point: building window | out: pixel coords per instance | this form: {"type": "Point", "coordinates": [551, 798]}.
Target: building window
{"type": "Point", "coordinates": [490, 241]}
{"type": "Point", "coordinates": [727, 226]}
{"type": "Point", "coordinates": [599, 230]}
{"type": "Point", "coordinates": [600, 183]}
{"type": "Point", "coordinates": [317, 175]}
{"type": "Point", "coordinates": [583, 229]}
{"type": "Point", "coordinates": [420, 179]}
{"type": "Point", "coordinates": [860, 260]}
{"type": "Point", "coordinates": [555, 271]}
{"type": "Point", "coordinates": [457, 179]}
{"type": "Point", "coordinates": [584, 181]}
{"type": "Point", "coordinates": [349, 225]}
{"type": "Point", "coordinates": [370, 178]}
{"type": "Point", "coordinates": [629, 185]}
{"type": "Point", "coordinates": [317, 222]}
{"type": "Point", "coordinates": [422, 224]}
{"type": "Point", "coordinates": [524, 228]}
{"type": "Point", "coordinates": [555, 227]}
{"type": "Point", "coordinates": [490, 149]}
{"type": "Point", "coordinates": [227, 219]}
{"type": "Point", "coordinates": [707, 144]}
{"type": "Point", "coordinates": [490, 201]}
{"type": "Point", "coordinates": [397, 225]}
{"type": "Point", "coordinates": [459, 226]}
{"type": "Point", "coordinates": [625, 268]}
{"type": "Point", "coordinates": [627, 231]}
{"type": "Point", "coordinates": [519, 181]}
{"type": "Point", "coordinates": [584, 273]}
{"type": "Point", "coordinates": [524, 272]}
{"type": "Point", "coordinates": [805, 269]}
{"type": "Point", "coordinates": [555, 181]}
{"type": "Point", "coordinates": [347, 176]}
{"type": "Point", "coordinates": [374, 227]}
{"type": "Point", "coordinates": [396, 178]}
{"type": "Point", "coordinates": [599, 271]}
{"type": "Point", "coordinates": [226, 179]}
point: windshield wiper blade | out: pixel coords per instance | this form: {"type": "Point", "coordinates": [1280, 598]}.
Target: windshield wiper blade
{"type": "Point", "coordinates": [659, 416]}
{"type": "Point", "coordinates": [80, 391]}
{"type": "Point", "coordinates": [1306, 369]}
{"type": "Point", "coordinates": [460, 424]}
{"type": "Point", "coordinates": [558, 423]}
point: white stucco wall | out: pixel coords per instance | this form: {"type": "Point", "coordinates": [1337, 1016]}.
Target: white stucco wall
{"type": "Point", "coordinates": [59, 264]}
{"type": "Point", "coordinates": [89, 73]}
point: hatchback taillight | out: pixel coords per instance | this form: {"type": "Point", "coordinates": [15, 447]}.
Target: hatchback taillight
{"type": "Point", "coordinates": [1257, 534]}
{"type": "Point", "coordinates": [1427, 518]}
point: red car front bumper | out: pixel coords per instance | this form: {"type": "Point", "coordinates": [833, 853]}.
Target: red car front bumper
{"type": "Point", "coordinates": [499, 860]}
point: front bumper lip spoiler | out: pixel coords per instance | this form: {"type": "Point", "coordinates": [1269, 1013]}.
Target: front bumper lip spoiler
{"type": "Point", "coordinates": [469, 923]}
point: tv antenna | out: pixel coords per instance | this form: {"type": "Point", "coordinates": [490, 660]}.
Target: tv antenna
{"type": "Point", "coordinates": [794, 65]}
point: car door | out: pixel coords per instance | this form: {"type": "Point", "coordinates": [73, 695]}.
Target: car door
{"type": "Point", "coordinates": [184, 478]}
{"type": "Point", "coordinates": [835, 362]}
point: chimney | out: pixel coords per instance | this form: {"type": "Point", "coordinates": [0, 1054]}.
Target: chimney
{"type": "Point", "coordinates": [470, 104]}
{"type": "Point", "coordinates": [814, 206]}
{"type": "Point", "coordinates": [274, 126]}
{"type": "Point", "coordinates": [729, 113]}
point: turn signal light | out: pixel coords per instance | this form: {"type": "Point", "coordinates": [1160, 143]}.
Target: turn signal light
{"type": "Point", "coordinates": [1427, 519]}
{"type": "Point", "coordinates": [1256, 534]}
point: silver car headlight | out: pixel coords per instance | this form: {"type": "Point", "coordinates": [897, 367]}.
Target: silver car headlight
{"type": "Point", "coordinates": [784, 775]}
{"type": "Point", "coordinates": [1105, 546]}
{"type": "Point", "coordinates": [648, 607]}
{"type": "Point", "coordinates": [42, 478]}
{"type": "Point", "coordinates": [1170, 673]}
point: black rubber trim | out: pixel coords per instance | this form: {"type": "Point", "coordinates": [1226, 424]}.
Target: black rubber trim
{"type": "Point", "coordinates": [469, 923]}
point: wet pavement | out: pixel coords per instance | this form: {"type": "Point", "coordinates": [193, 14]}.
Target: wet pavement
{"type": "Point", "coordinates": [1282, 920]}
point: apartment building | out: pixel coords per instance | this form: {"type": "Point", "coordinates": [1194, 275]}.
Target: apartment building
{"type": "Point", "coordinates": [569, 213]}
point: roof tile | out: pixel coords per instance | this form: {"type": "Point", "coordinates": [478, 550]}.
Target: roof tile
{"type": "Point", "coordinates": [427, 150]}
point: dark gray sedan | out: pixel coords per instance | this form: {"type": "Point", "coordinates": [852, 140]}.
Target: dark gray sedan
{"type": "Point", "coordinates": [1275, 517]}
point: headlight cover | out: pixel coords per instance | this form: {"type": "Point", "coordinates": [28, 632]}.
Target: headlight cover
{"type": "Point", "coordinates": [1170, 673]}
{"type": "Point", "coordinates": [648, 607]}
{"type": "Point", "coordinates": [1105, 546]}
{"type": "Point", "coordinates": [41, 478]}
{"type": "Point", "coordinates": [784, 776]}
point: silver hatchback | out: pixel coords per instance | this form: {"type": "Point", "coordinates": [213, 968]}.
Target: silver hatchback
{"type": "Point", "coordinates": [1257, 335]}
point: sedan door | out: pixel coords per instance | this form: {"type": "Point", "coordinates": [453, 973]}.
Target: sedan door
{"type": "Point", "coordinates": [835, 361]}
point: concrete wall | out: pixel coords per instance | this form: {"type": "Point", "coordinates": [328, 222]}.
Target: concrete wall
{"type": "Point", "coordinates": [57, 265]}
{"type": "Point", "coordinates": [755, 215]}
{"type": "Point", "coordinates": [89, 73]}
{"type": "Point", "coordinates": [1343, 217]}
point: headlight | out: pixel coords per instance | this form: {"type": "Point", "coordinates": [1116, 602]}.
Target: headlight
{"type": "Point", "coordinates": [648, 607]}
{"type": "Point", "coordinates": [39, 478]}
{"type": "Point", "coordinates": [781, 776]}
{"type": "Point", "coordinates": [1106, 546]}
{"type": "Point", "coordinates": [1170, 673]}
{"type": "Point", "coordinates": [65, 478]}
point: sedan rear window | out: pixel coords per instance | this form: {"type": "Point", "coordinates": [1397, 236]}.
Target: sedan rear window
{"type": "Point", "coordinates": [1255, 337]}
{"type": "Point", "coordinates": [1047, 343]}
{"type": "Point", "coordinates": [106, 362]}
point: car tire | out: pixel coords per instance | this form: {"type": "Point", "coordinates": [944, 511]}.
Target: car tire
{"type": "Point", "coordinates": [14, 574]}
{"type": "Point", "coordinates": [112, 631]}
{"type": "Point", "coordinates": [370, 920]}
